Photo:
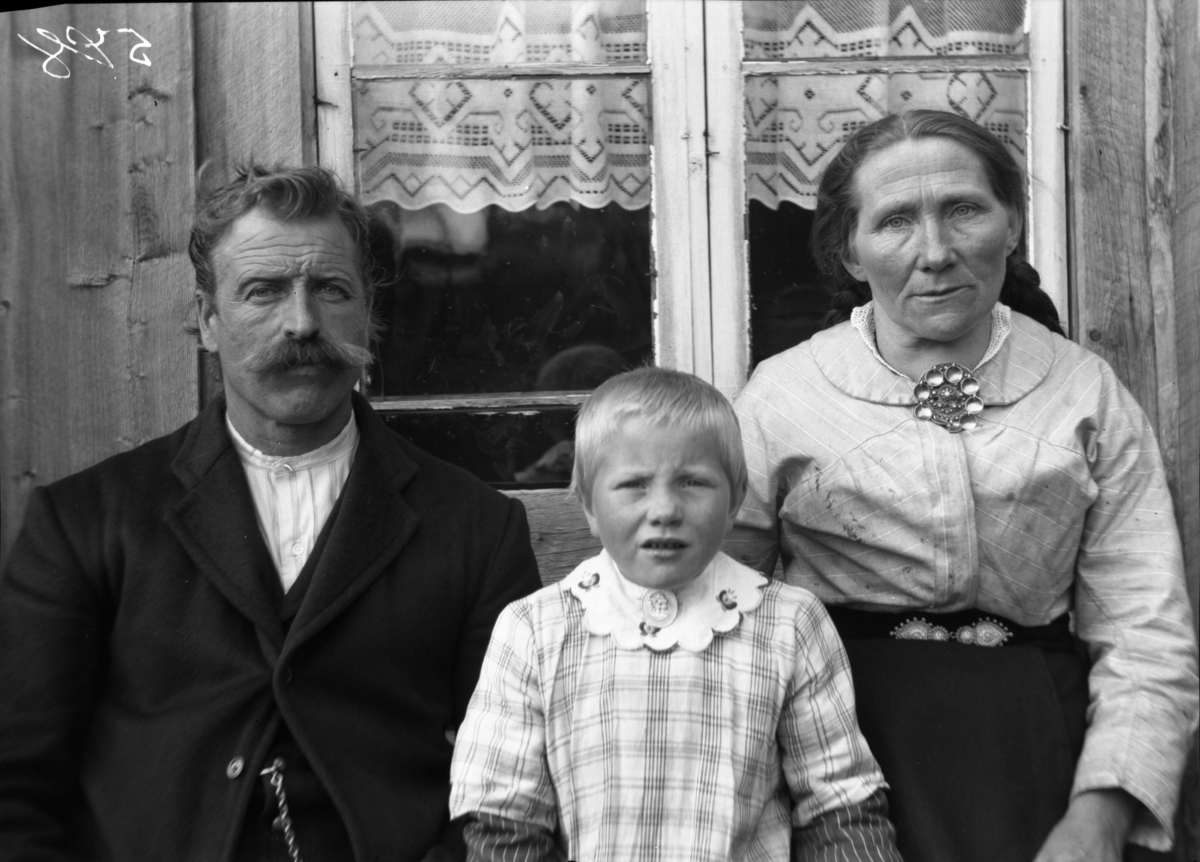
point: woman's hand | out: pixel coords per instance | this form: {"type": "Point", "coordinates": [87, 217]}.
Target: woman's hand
{"type": "Point", "coordinates": [1094, 829]}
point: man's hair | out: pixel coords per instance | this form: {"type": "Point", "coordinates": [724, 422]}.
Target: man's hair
{"type": "Point", "coordinates": [309, 193]}
{"type": "Point", "coordinates": [661, 397]}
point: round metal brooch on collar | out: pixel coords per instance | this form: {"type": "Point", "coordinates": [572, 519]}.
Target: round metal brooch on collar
{"type": "Point", "coordinates": [948, 396]}
{"type": "Point", "coordinates": [660, 607]}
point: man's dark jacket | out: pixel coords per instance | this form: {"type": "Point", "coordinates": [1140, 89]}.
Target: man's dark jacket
{"type": "Point", "coordinates": [141, 654]}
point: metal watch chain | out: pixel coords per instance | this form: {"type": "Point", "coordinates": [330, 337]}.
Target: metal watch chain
{"type": "Point", "coordinates": [275, 770]}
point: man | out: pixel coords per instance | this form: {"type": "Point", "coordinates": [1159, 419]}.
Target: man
{"type": "Point", "coordinates": [258, 633]}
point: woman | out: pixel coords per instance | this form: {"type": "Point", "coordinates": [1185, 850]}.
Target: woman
{"type": "Point", "coordinates": [956, 480]}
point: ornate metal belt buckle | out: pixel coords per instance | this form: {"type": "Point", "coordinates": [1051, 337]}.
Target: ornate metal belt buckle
{"type": "Point", "coordinates": [660, 607]}
{"type": "Point", "coordinates": [917, 629]}
{"type": "Point", "coordinates": [986, 632]}
{"type": "Point", "coordinates": [948, 396]}
{"type": "Point", "coordinates": [983, 633]}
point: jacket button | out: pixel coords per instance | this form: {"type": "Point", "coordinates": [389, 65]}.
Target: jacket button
{"type": "Point", "coordinates": [235, 767]}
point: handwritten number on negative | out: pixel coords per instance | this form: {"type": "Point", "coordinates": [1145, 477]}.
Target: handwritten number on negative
{"type": "Point", "coordinates": [89, 44]}
{"type": "Point", "coordinates": [144, 59]}
{"type": "Point", "coordinates": [46, 34]}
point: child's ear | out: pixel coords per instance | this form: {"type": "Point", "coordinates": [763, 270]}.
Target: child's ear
{"type": "Point", "coordinates": [729, 522]}
{"type": "Point", "coordinates": [593, 524]}
{"type": "Point", "coordinates": [735, 505]}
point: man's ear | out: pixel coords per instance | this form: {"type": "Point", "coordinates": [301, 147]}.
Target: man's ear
{"type": "Point", "coordinates": [206, 320]}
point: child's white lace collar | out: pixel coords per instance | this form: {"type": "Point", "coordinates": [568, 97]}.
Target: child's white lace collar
{"type": "Point", "coordinates": [713, 601]}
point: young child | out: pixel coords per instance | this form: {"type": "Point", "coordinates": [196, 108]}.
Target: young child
{"type": "Point", "coordinates": [664, 702]}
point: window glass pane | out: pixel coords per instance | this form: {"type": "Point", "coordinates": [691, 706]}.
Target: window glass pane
{"type": "Point", "coordinates": [506, 449]}
{"type": "Point", "coordinates": [515, 224]}
{"type": "Point", "coordinates": [787, 300]}
{"type": "Point", "coordinates": [512, 222]}
{"type": "Point", "coordinates": [802, 29]}
{"type": "Point", "coordinates": [794, 126]}
{"type": "Point", "coordinates": [497, 301]}
{"type": "Point", "coordinates": [491, 32]}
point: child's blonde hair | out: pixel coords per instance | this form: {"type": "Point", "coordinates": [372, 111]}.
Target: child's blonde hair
{"type": "Point", "coordinates": [662, 397]}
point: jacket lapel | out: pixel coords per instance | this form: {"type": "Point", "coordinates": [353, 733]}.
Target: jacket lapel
{"type": "Point", "coordinates": [373, 524]}
{"type": "Point", "coordinates": [216, 522]}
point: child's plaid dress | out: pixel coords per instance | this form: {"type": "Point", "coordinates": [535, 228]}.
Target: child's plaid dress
{"type": "Point", "coordinates": [673, 754]}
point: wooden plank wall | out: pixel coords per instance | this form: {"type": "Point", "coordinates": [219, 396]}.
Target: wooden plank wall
{"type": "Point", "coordinates": [95, 194]}
{"type": "Point", "coordinates": [97, 183]}
{"type": "Point", "coordinates": [1185, 243]}
{"type": "Point", "coordinates": [1132, 100]}
{"type": "Point", "coordinates": [1134, 173]}
{"type": "Point", "coordinates": [1186, 246]}
{"type": "Point", "coordinates": [255, 87]}
{"type": "Point", "coordinates": [559, 532]}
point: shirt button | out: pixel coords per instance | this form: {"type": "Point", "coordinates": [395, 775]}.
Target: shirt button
{"type": "Point", "coordinates": [297, 549]}
{"type": "Point", "coordinates": [235, 767]}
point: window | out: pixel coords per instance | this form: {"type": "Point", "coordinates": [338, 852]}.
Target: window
{"type": "Point", "coordinates": [575, 186]}
{"type": "Point", "coordinates": [806, 74]}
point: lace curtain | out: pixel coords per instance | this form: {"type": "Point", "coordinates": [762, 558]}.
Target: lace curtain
{"type": "Point", "coordinates": [519, 143]}
{"type": "Point", "coordinates": [801, 29]}
{"type": "Point", "coordinates": [795, 124]}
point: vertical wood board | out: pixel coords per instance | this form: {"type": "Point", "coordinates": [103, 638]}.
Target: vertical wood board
{"type": "Point", "coordinates": [1132, 75]}
{"type": "Point", "coordinates": [250, 85]}
{"type": "Point", "coordinates": [1113, 312]}
{"type": "Point", "coordinates": [1185, 106]}
{"type": "Point", "coordinates": [254, 99]}
{"type": "Point", "coordinates": [335, 111]}
{"type": "Point", "coordinates": [1185, 242]}
{"type": "Point", "coordinates": [679, 188]}
{"type": "Point", "coordinates": [1159, 195]}
{"type": "Point", "coordinates": [96, 187]}
{"type": "Point", "coordinates": [727, 203]}
{"type": "Point", "coordinates": [1046, 235]}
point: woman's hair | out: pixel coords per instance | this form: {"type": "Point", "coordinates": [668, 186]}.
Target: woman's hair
{"type": "Point", "coordinates": [837, 208]}
{"type": "Point", "coordinates": [661, 397]}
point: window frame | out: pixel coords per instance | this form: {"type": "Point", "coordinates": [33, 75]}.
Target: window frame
{"type": "Point", "coordinates": [678, 186]}
{"type": "Point", "coordinates": [701, 282]}
{"type": "Point", "coordinates": [1045, 139]}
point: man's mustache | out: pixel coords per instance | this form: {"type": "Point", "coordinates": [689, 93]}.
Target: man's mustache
{"type": "Point", "coordinates": [317, 351]}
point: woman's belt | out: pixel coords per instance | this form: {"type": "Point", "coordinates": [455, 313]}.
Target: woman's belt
{"type": "Point", "coordinates": [970, 627]}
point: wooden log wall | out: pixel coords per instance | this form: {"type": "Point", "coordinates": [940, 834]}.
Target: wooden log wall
{"type": "Point", "coordinates": [1133, 91]}
{"type": "Point", "coordinates": [96, 167]}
